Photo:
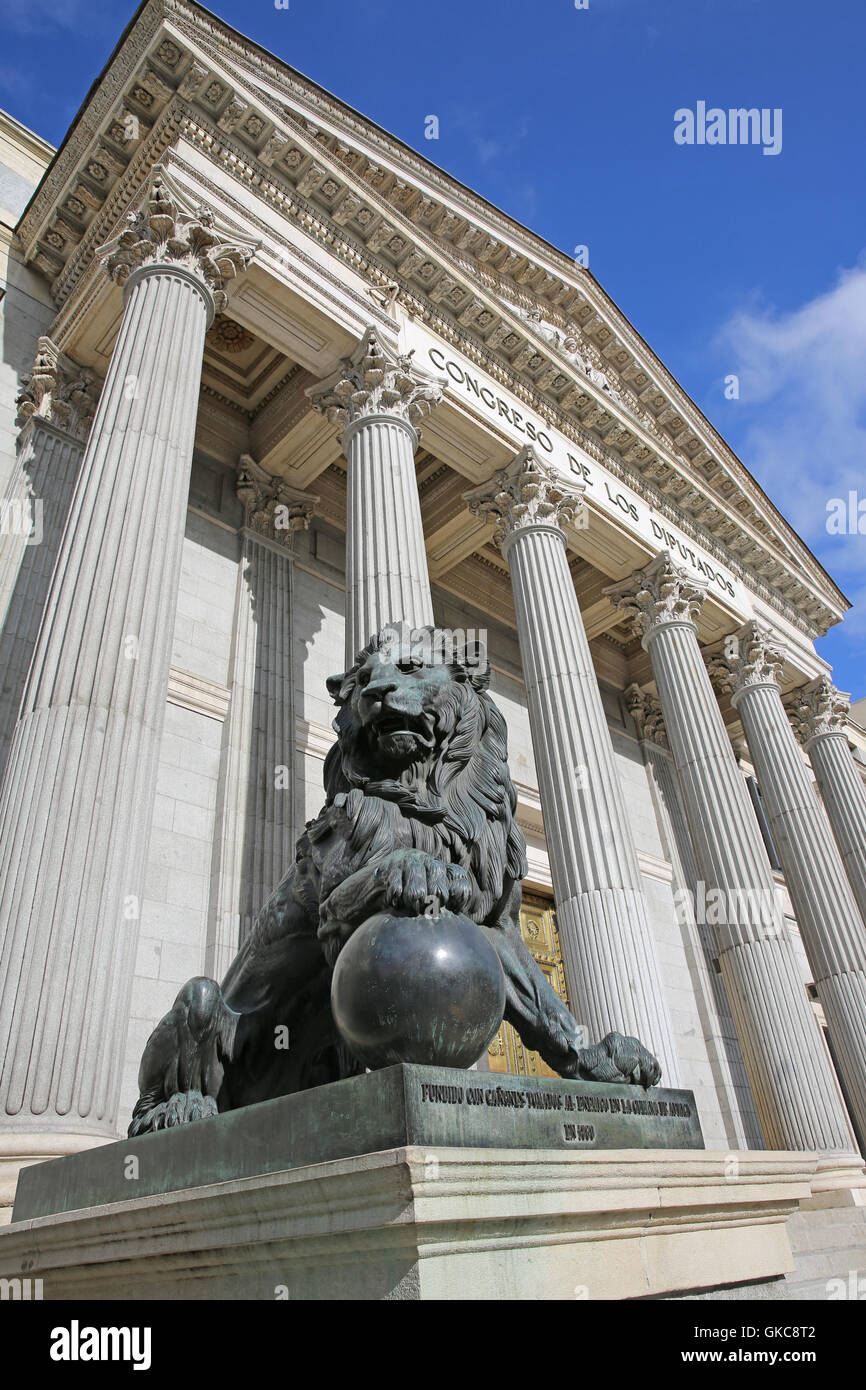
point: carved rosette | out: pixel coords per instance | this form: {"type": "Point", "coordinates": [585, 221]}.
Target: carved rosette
{"type": "Point", "coordinates": [646, 711]}
{"type": "Point", "coordinates": [818, 708]}
{"type": "Point", "coordinates": [59, 391]}
{"type": "Point", "coordinates": [529, 493]}
{"type": "Point", "coordinates": [751, 658]}
{"type": "Point", "coordinates": [658, 595]}
{"type": "Point", "coordinates": [272, 507]}
{"type": "Point", "coordinates": [568, 344]}
{"type": "Point", "coordinates": [169, 231]}
{"type": "Point", "coordinates": [376, 381]}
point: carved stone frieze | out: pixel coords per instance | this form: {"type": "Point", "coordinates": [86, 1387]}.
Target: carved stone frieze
{"type": "Point", "coordinates": [567, 343]}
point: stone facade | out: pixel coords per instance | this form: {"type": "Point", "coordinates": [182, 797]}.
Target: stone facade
{"type": "Point", "coordinates": [340, 390]}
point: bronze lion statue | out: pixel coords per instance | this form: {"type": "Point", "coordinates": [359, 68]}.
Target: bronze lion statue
{"type": "Point", "coordinates": [419, 808]}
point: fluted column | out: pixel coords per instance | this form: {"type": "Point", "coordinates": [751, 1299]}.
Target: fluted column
{"type": "Point", "coordinates": [378, 397]}
{"type": "Point", "coordinates": [790, 1072]}
{"type": "Point", "coordinates": [729, 1073]}
{"type": "Point", "coordinates": [819, 716]}
{"type": "Point", "coordinates": [77, 800]}
{"type": "Point", "coordinates": [613, 972]}
{"type": "Point", "coordinates": [831, 928]}
{"type": "Point", "coordinates": [55, 412]}
{"type": "Point", "coordinates": [254, 840]}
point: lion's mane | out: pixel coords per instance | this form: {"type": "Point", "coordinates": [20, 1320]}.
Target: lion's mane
{"type": "Point", "coordinates": [462, 813]}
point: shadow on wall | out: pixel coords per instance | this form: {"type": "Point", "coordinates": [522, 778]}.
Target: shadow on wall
{"type": "Point", "coordinates": [24, 318]}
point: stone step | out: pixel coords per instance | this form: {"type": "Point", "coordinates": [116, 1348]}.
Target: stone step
{"type": "Point", "coordinates": [828, 1245]}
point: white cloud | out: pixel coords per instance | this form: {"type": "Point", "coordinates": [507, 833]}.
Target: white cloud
{"type": "Point", "coordinates": [802, 417]}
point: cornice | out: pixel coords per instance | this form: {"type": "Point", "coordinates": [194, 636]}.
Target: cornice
{"type": "Point", "coordinates": [26, 139]}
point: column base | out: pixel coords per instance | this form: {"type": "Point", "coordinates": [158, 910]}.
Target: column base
{"type": "Point", "coordinates": [839, 1181]}
{"type": "Point", "coordinates": [457, 1224]}
{"type": "Point", "coordinates": [21, 1150]}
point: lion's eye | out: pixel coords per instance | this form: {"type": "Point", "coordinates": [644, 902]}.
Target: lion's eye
{"type": "Point", "coordinates": [409, 663]}
{"type": "Point", "coordinates": [363, 677]}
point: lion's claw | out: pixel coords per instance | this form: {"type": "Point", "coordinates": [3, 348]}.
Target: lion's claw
{"type": "Point", "coordinates": [180, 1109]}
{"type": "Point", "coordinates": [412, 880]}
{"type": "Point", "coordinates": [619, 1059]}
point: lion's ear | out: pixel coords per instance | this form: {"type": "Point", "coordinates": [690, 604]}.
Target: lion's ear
{"type": "Point", "coordinates": [473, 660]}
{"type": "Point", "coordinates": [480, 680]}
{"type": "Point", "coordinates": [340, 687]}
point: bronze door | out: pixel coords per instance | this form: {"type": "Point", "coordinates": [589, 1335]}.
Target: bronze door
{"type": "Point", "coordinates": [538, 926]}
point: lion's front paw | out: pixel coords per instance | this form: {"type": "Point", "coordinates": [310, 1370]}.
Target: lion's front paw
{"type": "Point", "coordinates": [617, 1058]}
{"type": "Point", "coordinates": [181, 1109]}
{"type": "Point", "coordinates": [413, 880]}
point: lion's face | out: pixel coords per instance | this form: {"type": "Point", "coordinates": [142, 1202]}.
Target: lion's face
{"type": "Point", "coordinates": [417, 730]}
{"type": "Point", "coordinates": [400, 700]}
{"type": "Point", "coordinates": [396, 703]}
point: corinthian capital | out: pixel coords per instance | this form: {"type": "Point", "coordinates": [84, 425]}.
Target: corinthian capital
{"type": "Point", "coordinates": [750, 658]}
{"type": "Point", "coordinates": [376, 381]}
{"type": "Point", "coordinates": [529, 493]}
{"type": "Point", "coordinates": [646, 711]}
{"type": "Point", "coordinates": [60, 391]}
{"type": "Point", "coordinates": [657, 595]}
{"type": "Point", "coordinates": [169, 230]}
{"type": "Point", "coordinates": [272, 507]}
{"type": "Point", "coordinates": [818, 708]}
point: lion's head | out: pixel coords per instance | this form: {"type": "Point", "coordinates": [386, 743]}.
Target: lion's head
{"type": "Point", "coordinates": [420, 738]}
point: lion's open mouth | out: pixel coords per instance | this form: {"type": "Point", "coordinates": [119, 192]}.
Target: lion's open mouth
{"type": "Point", "coordinates": [397, 723]}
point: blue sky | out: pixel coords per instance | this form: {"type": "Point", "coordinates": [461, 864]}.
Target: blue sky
{"type": "Point", "coordinates": [727, 260]}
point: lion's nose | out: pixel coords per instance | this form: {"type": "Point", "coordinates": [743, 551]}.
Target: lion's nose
{"type": "Point", "coordinates": [377, 690]}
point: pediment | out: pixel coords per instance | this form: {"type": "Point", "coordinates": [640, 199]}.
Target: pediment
{"type": "Point", "coordinates": [522, 309]}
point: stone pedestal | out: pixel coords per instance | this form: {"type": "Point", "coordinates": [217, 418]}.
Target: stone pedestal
{"type": "Point", "coordinates": [76, 803]}
{"type": "Point", "coordinates": [819, 714]}
{"type": "Point", "coordinates": [434, 1224]}
{"type": "Point", "coordinates": [789, 1068]}
{"type": "Point", "coordinates": [377, 397]}
{"type": "Point", "coordinates": [20, 1151]}
{"type": "Point", "coordinates": [395, 1107]}
{"type": "Point", "coordinates": [611, 964]}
